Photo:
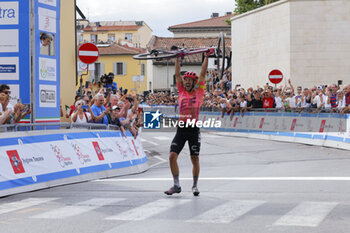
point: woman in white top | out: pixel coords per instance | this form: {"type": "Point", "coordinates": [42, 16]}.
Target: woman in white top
{"type": "Point", "coordinates": [79, 116]}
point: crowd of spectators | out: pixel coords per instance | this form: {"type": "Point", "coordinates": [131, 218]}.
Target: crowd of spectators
{"type": "Point", "coordinates": [220, 96]}
{"type": "Point", "coordinates": [117, 107]}
{"type": "Point", "coordinates": [104, 106]}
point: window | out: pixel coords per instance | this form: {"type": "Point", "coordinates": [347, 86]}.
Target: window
{"type": "Point", "coordinates": [143, 69]}
{"type": "Point", "coordinates": [99, 71]}
{"type": "Point", "coordinates": [128, 36]}
{"type": "Point", "coordinates": [111, 37]}
{"type": "Point", "coordinates": [120, 68]}
{"type": "Point", "coordinates": [93, 38]}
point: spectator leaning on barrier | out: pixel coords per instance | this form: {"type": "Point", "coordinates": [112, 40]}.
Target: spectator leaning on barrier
{"type": "Point", "coordinates": [346, 100]}
{"type": "Point", "coordinates": [18, 111]}
{"type": "Point", "coordinates": [4, 88]}
{"type": "Point", "coordinates": [4, 115]}
{"type": "Point", "coordinates": [115, 118]}
{"type": "Point", "coordinates": [98, 111]}
{"type": "Point", "coordinates": [80, 115]}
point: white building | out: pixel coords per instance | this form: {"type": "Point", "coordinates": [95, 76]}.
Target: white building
{"type": "Point", "coordinates": [308, 40]}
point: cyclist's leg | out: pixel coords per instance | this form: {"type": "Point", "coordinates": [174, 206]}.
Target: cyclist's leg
{"type": "Point", "coordinates": [176, 146]}
{"type": "Point", "coordinates": [194, 143]}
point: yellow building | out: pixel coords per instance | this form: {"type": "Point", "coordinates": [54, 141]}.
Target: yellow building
{"type": "Point", "coordinates": [118, 59]}
{"type": "Point", "coordinates": [133, 33]}
{"type": "Point", "coordinates": [68, 54]}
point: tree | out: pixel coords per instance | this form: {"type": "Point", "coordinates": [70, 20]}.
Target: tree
{"type": "Point", "coordinates": [243, 6]}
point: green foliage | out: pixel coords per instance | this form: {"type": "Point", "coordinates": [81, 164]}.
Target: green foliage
{"type": "Point", "coordinates": [243, 6]}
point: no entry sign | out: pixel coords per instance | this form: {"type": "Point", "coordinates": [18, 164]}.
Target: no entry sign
{"type": "Point", "coordinates": [88, 53]}
{"type": "Point", "coordinates": [275, 76]}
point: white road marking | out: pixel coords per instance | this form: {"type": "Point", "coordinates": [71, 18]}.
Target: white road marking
{"type": "Point", "coordinates": [307, 214]}
{"type": "Point", "coordinates": [227, 212]}
{"type": "Point", "coordinates": [211, 136]}
{"type": "Point", "coordinates": [161, 161]}
{"type": "Point", "coordinates": [153, 143]}
{"type": "Point", "coordinates": [76, 209]}
{"type": "Point", "coordinates": [234, 179]}
{"type": "Point", "coordinates": [148, 210]}
{"type": "Point", "coordinates": [162, 138]}
{"type": "Point", "coordinates": [18, 205]}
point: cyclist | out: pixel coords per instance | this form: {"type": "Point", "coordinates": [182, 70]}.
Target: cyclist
{"type": "Point", "coordinates": [190, 100]}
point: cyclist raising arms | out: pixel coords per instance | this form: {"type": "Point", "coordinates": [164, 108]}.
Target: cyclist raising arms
{"type": "Point", "coordinates": [190, 100]}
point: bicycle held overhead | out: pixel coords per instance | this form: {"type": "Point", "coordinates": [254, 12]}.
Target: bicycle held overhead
{"type": "Point", "coordinates": [222, 57]}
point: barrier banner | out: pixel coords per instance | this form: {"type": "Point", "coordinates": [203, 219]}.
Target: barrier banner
{"type": "Point", "coordinates": [34, 159]}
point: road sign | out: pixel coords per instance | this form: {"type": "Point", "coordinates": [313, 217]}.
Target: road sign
{"type": "Point", "coordinates": [88, 53]}
{"type": "Point", "coordinates": [275, 76]}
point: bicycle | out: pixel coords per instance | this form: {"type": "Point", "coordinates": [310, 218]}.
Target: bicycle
{"type": "Point", "coordinates": [219, 52]}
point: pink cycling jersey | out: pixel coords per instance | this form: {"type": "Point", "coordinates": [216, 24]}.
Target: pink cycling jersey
{"type": "Point", "coordinates": [190, 102]}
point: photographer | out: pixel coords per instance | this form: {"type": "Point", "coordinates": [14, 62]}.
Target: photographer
{"type": "Point", "coordinates": [80, 115]}
{"type": "Point", "coordinates": [107, 81]}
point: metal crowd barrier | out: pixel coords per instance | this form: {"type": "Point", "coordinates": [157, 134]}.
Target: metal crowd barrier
{"type": "Point", "coordinates": [50, 126]}
{"type": "Point", "coordinates": [173, 111]}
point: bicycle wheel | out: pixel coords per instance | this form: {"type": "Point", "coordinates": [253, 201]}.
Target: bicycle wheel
{"type": "Point", "coordinates": [220, 55]}
{"type": "Point", "coordinates": [155, 55]}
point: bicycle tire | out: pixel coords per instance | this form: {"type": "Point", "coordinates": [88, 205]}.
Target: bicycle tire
{"type": "Point", "coordinates": [155, 55]}
{"type": "Point", "coordinates": [220, 54]}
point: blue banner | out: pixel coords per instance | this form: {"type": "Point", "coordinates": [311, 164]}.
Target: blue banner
{"type": "Point", "coordinates": [47, 60]}
{"type": "Point", "coordinates": [15, 48]}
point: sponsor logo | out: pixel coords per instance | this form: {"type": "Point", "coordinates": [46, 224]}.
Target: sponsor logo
{"type": "Point", "coordinates": [261, 123]}
{"type": "Point", "coordinates": [137, 153]}
{"type": "Point", "coordinates": [15, 161]}
{"type": "Point", "coordinates": [81, 157]}
{"type": "Point", "coordinates": [322, 126]}
{"type": "Point", "coordinates": [98, 151]}
{"type": "Point", "coordinates": [235, 123]}
{"type": "Point", "coordinates": [62, 160]}
{"type": "Point", "coordinates": [32, 160]}
{"type": "Point", "coordinates": [47, 96]}
{"type": "Point", "coordinates": [8, 13]}
{"type": "Point", "coordinates": [47, 69]}
{"type": "Point", "coordinates": [7, 69]}
{"type": "Point", "coordinates": [151, 120]}
{"type": "Point", "coordinates": [294, 122]}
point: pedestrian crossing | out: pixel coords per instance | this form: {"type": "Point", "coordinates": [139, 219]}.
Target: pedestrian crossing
{"type": "Point", "coordinates": [304, 214]}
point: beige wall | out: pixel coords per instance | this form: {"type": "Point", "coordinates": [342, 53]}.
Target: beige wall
{"type": "Point", "coordinates": [261, 43]}
{"type": "Point", "coordinates": [144, 35]}
{"type": "Point", "coordinates": [140, 37]}
{"type": "Point", "coordinates": [320, 41]}
{"type": "Point", "coordinates": [308, 40]}
{"type": "Point", "coordinates": [67, 60]}
{"type": "Point", "coordinates": [162, 73]}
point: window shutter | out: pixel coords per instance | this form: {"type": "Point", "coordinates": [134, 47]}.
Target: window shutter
{"type": "Point", "coordinates": [115, 68]}
{"type": "Point", "coordinates": [102, 69]}
{"type": "Point", "coordinates": [124, 68]}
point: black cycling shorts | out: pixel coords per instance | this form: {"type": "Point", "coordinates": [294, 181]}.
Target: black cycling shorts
{"type": "Point", "coordinates": [192, 135]}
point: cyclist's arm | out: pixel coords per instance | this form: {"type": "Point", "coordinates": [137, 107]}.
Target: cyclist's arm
{"type": "Point", "coordinates": [178, 71]}
{"type": "Point", "coordinates": [204, 69]}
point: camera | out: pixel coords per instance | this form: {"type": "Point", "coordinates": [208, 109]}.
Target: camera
{"type": "Point", "coordinates": [107, 78]}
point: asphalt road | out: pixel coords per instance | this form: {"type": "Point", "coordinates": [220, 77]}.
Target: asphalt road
{"type": "Point", "coordinates": [246, 185]}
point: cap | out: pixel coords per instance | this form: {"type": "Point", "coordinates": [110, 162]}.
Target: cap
{"type": "Point", "coordinates": [115, 107]}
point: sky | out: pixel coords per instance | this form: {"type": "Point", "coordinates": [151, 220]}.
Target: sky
{"type": "Point", "coordinates": [158, 14]}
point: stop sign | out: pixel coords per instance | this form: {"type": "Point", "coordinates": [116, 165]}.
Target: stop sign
{"type": "Point", "coordinates": [88, 53]}
{"type": "Point", "coordinates": [275, 76]}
